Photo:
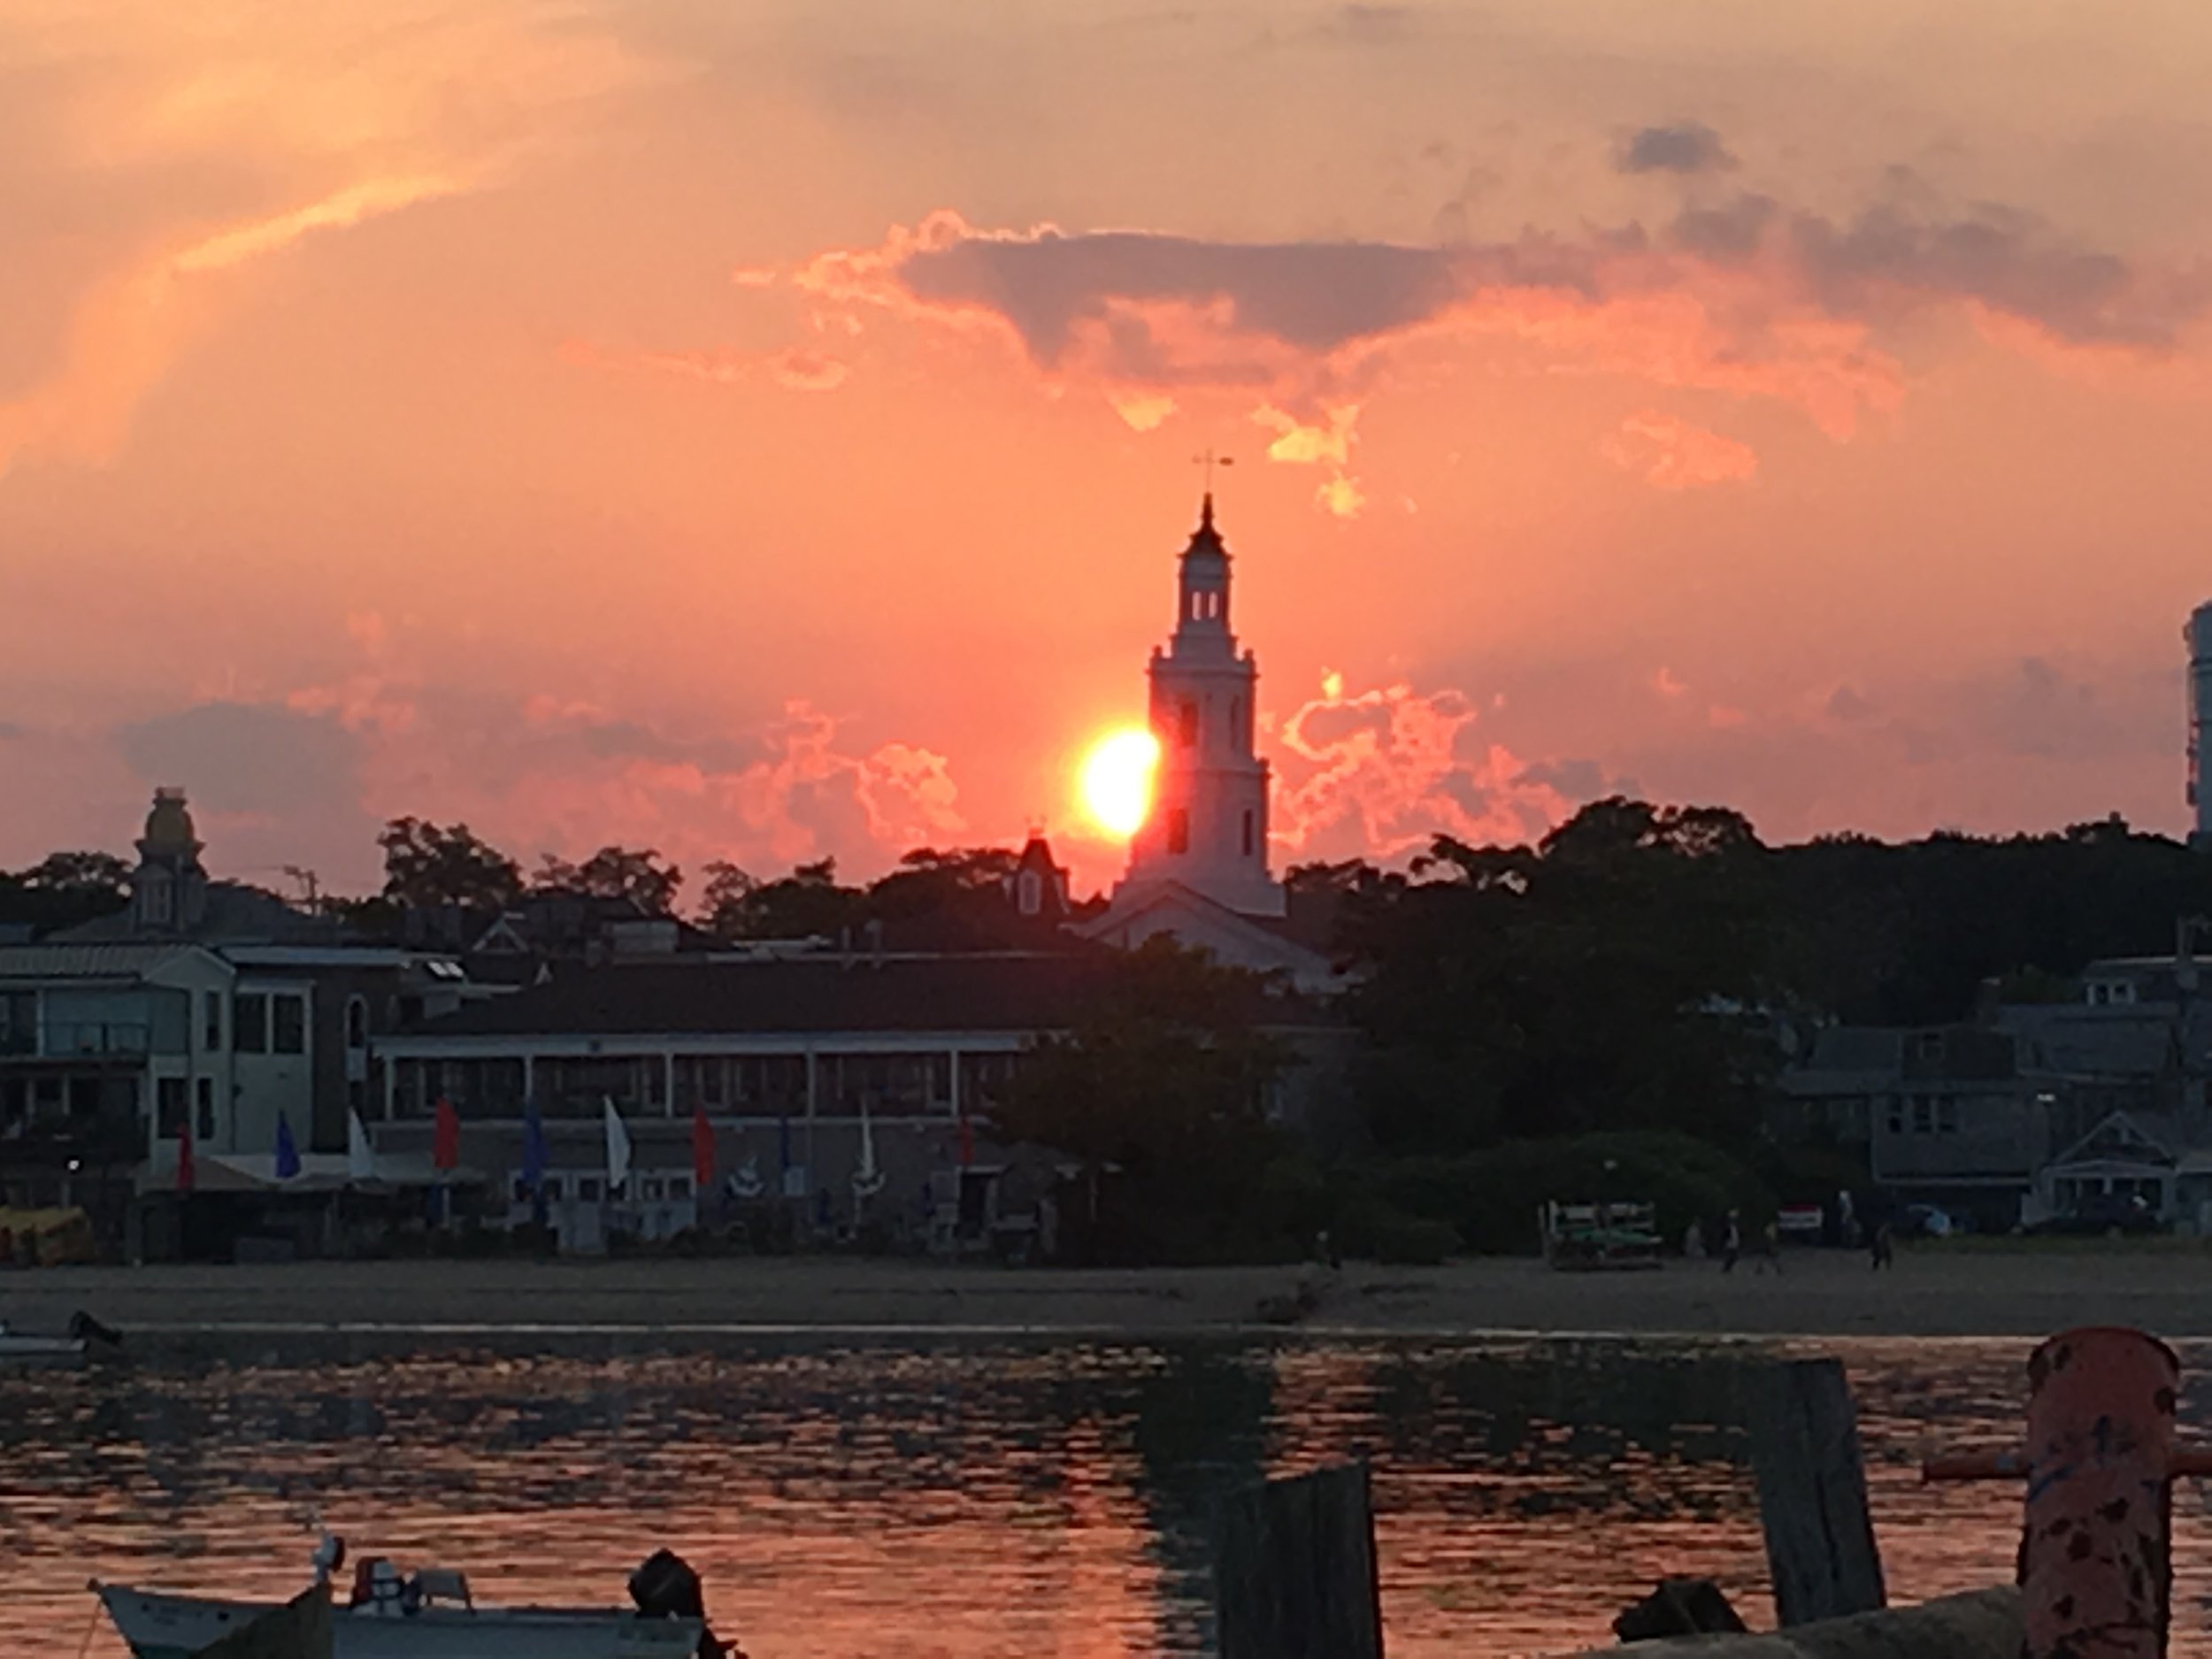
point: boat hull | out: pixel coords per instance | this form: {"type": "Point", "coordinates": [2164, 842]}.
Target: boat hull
{"type": "Point", "coordinates": [25, 1353]}
{"type": "Point", "coordinates": [162, 1627]}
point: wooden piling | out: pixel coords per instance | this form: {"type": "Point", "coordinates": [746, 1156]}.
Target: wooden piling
{"type": "Point", "coordinates": [1812, 1493]}
{"type": "Point", "coordinates": [1295, 1568]}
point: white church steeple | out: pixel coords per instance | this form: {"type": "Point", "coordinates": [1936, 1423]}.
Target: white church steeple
{"type": "Point", "coordinates": [1208, 829]}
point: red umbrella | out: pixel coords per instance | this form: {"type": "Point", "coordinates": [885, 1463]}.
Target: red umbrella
{"type": "Point", "coordinates": [445, 1137]}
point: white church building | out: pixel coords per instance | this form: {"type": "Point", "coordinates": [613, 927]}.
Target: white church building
{"type": "Point", "coordinates": [1198, 867]}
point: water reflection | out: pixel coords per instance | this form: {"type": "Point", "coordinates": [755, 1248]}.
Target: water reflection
{"type": "Point", "coordinates": [964, 1500]}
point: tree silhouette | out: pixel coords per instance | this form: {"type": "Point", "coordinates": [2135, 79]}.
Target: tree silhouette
{"type": "Point", "coordinates": [428, 864]}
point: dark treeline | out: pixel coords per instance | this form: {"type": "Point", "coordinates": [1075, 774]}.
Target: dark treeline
{"type": "Point", "coordinates": [1649, 967]}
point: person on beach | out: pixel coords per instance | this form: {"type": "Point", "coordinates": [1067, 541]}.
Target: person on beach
{"type": "Point", "coordinates": [1879, 1246]}
{"type": "Point", "coordinates": [1731, 1242]}
{"type": "Point", "coordinates": [1770, 1248]}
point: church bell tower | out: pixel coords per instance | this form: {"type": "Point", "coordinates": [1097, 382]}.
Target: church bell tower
{"type": "Point", "coordinates": [1208, 829]}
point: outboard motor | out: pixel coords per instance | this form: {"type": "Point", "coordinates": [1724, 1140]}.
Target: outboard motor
{"type": "Point", "coordinates": [666, 1587]}
{"type": "Point", "coordinates": [84, 1328]}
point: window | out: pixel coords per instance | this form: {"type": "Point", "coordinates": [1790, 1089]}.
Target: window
{"type": "Point", "coordinates": [555, 1189]}
{"type": "Point", "coordinates": [211, 1020]}
{"type": "Point", "coordinates": [203, 1108]}
{"type": "Point", "coordinates": [1178, 829]}
{"type": "Point", "coordinates": [679, 1187]}
{"type": "Point", "coordinates": [288, 1024]}
{"type": "Point", "coordinates": [1236, 722]}
{"type": "Point", "coordinates": [1186, 722]}
{"type": "Point", "coordinates": [522, 1189]}
{"type": "Point", "coordinates": [250, 1022]}
{"type": "Point", "coordinates": [1922, 1115]}
{"type": "Point", "coordinates": [357, 1022]}
{"type": "Point", "coordinates": [1947, 1116]}
{"type": "Point", "coordinates": [169, 1107]}
{"type": "Point", "coordinates": [649, 1188]}
{"type": "Point", "coordinates": [156, 900]}
{"type": "Point", "coordinates": [1247, 831]}
{"type": "Point", "coordinates": [588, 1188]}
{"type": "Point", "coordinates": [19, 1022]}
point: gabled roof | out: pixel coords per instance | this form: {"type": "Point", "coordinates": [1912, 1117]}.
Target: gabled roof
{"type": "Point", "coordinates": [1265, 935]}
{"type": "Point", "coordinates": [2083, 1041]}
{"type": "Point", "coordinates": [92, 962]}
{"type": "Point", "coordinates": [1010, 992]}
{"type": "Point", "coordinates": [2118, 1135]}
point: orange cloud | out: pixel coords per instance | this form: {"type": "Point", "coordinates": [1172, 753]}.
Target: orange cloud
{"type": "Point", "coordinates": [275, 129]}
{"type": "Point", "coordinates": [1381, 772]}
{"type": "Point", "coordinates": [1672, 454]}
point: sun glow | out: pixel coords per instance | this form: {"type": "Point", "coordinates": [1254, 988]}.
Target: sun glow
{"type": "Point", "coordinates": [1117, 779]}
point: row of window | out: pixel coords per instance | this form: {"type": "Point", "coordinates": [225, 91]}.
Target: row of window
{"type": "Point", "coordinates": [914, 1084]}
{"type": "Point", "coordinates": [261, 1022]}
{"type": "Point", "coordinates": [591, 1189]}
{"type": "Point", "coordinates": [1924, 1115]}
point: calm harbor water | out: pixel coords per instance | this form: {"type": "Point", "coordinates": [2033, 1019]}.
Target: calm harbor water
{"type": "Point", "coordinates": [978, 1499]}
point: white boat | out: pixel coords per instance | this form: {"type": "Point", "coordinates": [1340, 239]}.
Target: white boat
{"type": "Point", "coordinates": [429, 1616]}
{"type": "Point", "coordinates": [19, 1350]}
{"type": "Point", "coordinates": [88, 1339]}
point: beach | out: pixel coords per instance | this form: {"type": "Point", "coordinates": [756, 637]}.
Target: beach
{"type": "Point", "coordinates": [1935, 1291]}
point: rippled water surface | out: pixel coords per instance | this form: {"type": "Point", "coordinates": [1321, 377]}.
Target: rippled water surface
{"type": "Point", "coordinates": [975, 1500]}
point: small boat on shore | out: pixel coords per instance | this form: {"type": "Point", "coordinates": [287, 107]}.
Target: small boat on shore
{"type": "Point", "coordinates": [431, 1614]}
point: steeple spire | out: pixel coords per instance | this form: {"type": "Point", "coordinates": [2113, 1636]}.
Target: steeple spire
{"type": "Point", "coordinates": [1206, 511]}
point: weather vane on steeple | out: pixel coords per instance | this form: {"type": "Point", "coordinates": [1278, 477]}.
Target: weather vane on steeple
{"type": "Point", "coordinates": [1210, 461]}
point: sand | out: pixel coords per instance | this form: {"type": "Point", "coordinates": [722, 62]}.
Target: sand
{"type": "Point", "coordinates": [1934, 1291]}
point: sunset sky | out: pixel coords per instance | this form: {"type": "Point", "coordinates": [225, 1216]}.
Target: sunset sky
{"type": "Point", "coordinates": [763, 430]}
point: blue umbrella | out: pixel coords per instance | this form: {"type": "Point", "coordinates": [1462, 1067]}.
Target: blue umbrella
{"type": "Point", "coordinates": [288, 1155]}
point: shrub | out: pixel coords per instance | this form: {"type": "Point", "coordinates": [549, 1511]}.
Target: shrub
{"type": "Point", "coordinates": [1374, 1231]}
{"type": "Point", "coordinates": [1491, 1198]}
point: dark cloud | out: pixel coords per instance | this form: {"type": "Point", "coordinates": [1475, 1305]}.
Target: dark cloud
{"type": "Point", "coordinates": [1576, 779]}
{"type": "Point", "coordinates": [1686, 147]}
{"type": "Point", "coordinates": [1895, 254]}
{"type": "Point", "coordinates": [1317, 295]}
{"type": "Point", "coordinates": [271, 786]}
{"type": "Point", "coordinates": [1370, 25]}
{"type": "Point", "coordinates": [1731, 231]}
{"type": "Point", "coordinates": [1845, 704]}
{"type": "Point", "coordinates": [254, 757]}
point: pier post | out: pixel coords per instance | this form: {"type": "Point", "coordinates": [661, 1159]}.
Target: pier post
{"type": "Point", "coordinates": [1812, 1493]}
{"type": "Point", "coordinates": [1295, 1568]}
{"type": "Point", "coordinates": [2096, 1541]}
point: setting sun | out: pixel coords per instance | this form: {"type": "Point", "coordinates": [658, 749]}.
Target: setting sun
{"type": "Point", "coordinates": [1118, 779]}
